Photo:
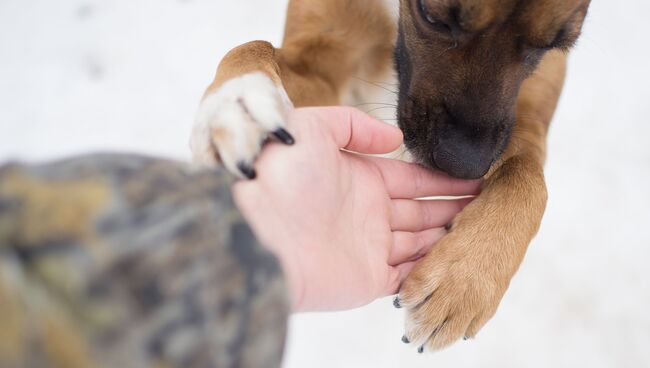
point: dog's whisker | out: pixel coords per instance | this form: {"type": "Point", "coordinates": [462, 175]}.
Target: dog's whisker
{"type": "Point", "coordinates": [376, 85]}
{"type": "Point", "coordinates": [379, 108]}
{"type": "Point", "coordinates": [375, 103]}
{"type": "Point", "coordinates": [379, 82]}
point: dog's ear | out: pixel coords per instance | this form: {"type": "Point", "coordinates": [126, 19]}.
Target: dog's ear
{"type": "Point", "coordinates": [552, 24]}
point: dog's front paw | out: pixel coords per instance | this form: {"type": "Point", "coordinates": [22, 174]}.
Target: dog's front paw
{"type": "Point", "coordinates": [452, 292]}
{"type": "Point", "coordinates": [233, 122]}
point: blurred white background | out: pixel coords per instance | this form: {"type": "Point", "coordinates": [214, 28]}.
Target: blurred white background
{"type": "Point", "coordinates": [88, 75]}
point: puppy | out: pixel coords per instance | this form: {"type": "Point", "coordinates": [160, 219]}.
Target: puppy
{"type": "Point", "coordinates": [478, 83]}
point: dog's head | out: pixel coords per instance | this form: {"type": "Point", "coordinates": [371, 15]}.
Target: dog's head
{"type": "Point", "coordinates": [461, 64]}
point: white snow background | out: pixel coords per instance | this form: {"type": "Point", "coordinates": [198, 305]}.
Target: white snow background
{"type": "Point", "coordinates": [89, 75]}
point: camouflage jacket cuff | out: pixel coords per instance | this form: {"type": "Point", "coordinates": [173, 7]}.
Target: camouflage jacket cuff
{"type": "Point", "coordinates": [123, 260]}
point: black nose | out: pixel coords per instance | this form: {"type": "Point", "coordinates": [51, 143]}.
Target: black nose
{"type": "Point", "coordinates": [462, 155]}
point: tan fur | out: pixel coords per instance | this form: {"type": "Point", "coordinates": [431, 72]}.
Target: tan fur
{"type": "Point", "coordinates": [325, 46]}
{"type": "Point", "coordinates": [458, 286]}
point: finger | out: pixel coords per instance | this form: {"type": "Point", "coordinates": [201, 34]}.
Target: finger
{"type": "Point", "coordinates": [353, 129]}
{"type": "Point", "coordinates": [418, 215]}
{"type": "Point", "coordinates": [404, 270]}
{"type": "Point", "coordinates": [397, 276]}
{"type": "Point", "coordinates": [407, 180]}
{"type": "Point", "coordinates": [409, 246]}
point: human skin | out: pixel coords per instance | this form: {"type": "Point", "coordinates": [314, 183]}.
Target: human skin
{"type": "Point", "coordinates": [346, 226]}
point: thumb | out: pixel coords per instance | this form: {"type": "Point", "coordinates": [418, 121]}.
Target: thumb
{"type": "Point", "coordinates": [355, 130]}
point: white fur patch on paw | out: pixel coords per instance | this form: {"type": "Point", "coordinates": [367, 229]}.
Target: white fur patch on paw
{"type": "Point", "coordinates": [233, 122]}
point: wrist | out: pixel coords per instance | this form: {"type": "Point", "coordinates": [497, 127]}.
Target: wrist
{"type": "Point", "coordinates": [267, 235]}
{"type": "Point", "coordinates": [294, 278]}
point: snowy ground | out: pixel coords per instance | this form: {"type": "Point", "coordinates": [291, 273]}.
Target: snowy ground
{"type": "Point", "coordinates": [80, 75]}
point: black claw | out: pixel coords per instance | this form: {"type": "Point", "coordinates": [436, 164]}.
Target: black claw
{"type": "Point", "coordinates": [465, 338]}
{"type": "Point", "coordinates": [284, 136]}
{"type": "Point", "coordinates": [421, 349]}
{"type": "Point", "coordinates": [448, 227]}
{"type": "Point", "coordinates": [397, 303]}
{"type": "Point", "coordinates": [406, 340]}
{"type": "Point", "coordinates": [248, 171]}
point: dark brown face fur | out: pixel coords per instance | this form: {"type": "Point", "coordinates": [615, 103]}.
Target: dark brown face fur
{"type": "Point", "coordinates": [460, 66]}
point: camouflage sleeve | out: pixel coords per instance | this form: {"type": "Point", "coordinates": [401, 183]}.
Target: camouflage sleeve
{"type": "Point", "coordinates": [127, 261]}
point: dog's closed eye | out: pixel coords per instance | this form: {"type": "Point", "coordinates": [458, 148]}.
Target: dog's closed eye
{"type": "Point", "coordinates": [564, 40]}
{"type": "Point", "coordinates": [448, 25]}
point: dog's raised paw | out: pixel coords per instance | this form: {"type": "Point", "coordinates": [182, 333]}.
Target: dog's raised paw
{"type": "Point", "coordinates": [234, 121]}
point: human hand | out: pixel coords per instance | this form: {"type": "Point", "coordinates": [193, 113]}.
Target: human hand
{"type": "Point", "coordinates": [345, 226]}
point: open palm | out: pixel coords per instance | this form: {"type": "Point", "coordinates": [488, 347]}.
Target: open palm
{"type": "Point", "coordinates": [345, 226]}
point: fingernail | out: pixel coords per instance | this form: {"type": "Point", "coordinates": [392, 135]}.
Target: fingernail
{"type": "Point", "coordinates": [397, 303]}
{"type": "Point", "coordinates": [248, 171]}
{"type": "Point", "coordinates": [405, 340]}
{"type": "Point", "coordinates": [421, 349]}
{"type": "Point", "coordinates": [284, 136]}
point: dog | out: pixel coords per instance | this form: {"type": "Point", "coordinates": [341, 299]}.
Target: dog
{"type": "Point", "coordinates": [478, 83]}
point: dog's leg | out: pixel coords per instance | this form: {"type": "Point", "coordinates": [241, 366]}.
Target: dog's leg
{"type": "Point", "coordinates": [326, 44]}
{"type": "Point", "coordinates": [457, 287]}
